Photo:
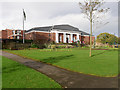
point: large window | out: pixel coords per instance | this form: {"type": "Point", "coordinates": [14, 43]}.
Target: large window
{"type": "Point", "coordinates": [18, 37]}
{"type": "Point", "coordinates": [60, 38]}
{"type": "Point", "coordinates": [13, 31]}
{"type": "Point", "coordinates": [74, 39]}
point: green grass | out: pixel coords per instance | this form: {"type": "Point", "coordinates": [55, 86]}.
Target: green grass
{"type": "Point", "coordinates": [15, 75]}
{"type": "Point", "coordinates": [102, 62]}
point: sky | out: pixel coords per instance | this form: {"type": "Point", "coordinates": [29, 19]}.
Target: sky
{"type": "Point", "coordinates": [55, 13]}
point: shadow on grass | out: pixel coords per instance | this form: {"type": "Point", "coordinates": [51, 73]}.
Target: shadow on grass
{"type": "Point", "coordinates": [56, 59]}
{"type": "Point", "coordinates": [102, 53]}
{"type": "Point", "coordinates": [12, 68]}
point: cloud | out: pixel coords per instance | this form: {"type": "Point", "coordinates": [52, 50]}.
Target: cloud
{"type": "Point", "coordinates": [52, 0]}
{"type": "Point", "coordinates": [52, 13]}
{"type": "Point", "coordinates": [76, 20]}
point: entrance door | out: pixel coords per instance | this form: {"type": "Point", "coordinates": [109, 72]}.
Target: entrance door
{"type": "Point", "coordinates": [67, 39]}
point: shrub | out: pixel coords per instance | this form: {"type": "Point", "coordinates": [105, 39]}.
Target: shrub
{"type": "Point", "coordinates": [78, 43]}
{"type": "Point", "coordinates": [74, 43]}
{"type": "Point", "coordinates": [34, 46]}
{"type": "Point", "coordinates": [85, 47]}
{"type": "Point", "coordinates": [44, 46]}
{"type": "Point", "coordinates": [61, 46]}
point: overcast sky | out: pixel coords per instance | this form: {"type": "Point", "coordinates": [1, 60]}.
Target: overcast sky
{"type": "Point", "coordinates": [54, 13]}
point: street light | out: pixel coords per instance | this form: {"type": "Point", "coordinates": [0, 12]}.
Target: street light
{"type": "Point", "coordinates": [50, 34]}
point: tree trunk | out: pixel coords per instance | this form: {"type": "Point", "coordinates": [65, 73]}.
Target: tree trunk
{"type": "Point", "coordinates": [90, 38]}
{"type": "Point", "coordinates": [90, 31]}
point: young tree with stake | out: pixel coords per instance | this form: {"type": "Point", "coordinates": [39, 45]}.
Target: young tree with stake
{"type": "Point", "coordinates": [92, 9]}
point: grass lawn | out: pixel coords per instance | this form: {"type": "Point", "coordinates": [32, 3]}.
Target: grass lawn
{"type": "Point", "coordinates": [102, 62]}
{"type": "Point", "coordinates": [15, 75]}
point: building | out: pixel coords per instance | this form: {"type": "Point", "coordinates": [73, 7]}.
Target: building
{"type": "Point", "coordinates": [11, 34]}
{"type": "Point", "coordinates": [58, 34]}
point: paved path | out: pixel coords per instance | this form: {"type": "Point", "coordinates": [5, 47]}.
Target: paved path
{"type": "Point", "coordinates": [66, 78]}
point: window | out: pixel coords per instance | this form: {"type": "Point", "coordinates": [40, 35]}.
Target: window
{"type": "Point", "coordinates": [13, 32]}
{"type": "Point", "coordinates": [18, 32]}
{"type": "Point", "coordinates": [60, 38]}
{"type": "Point", "coordinates": [18, 37]}
{"type": "Point", "coordinates": [74, 39]}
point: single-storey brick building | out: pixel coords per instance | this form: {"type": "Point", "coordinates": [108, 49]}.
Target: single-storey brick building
{"type": "Point", "coordinates": [58, 34]}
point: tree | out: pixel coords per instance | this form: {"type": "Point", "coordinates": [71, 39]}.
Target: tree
{"type": "Point", "coordinates": [106, 38]}
{"type": "Point", "coordinates": [92, 9]}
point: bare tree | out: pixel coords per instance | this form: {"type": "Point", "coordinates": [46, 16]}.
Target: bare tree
{"type": "Point", "coordinates": [92, 10]}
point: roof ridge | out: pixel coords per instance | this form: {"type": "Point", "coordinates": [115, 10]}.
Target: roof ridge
{"type": "Point", "coordinates": [54, 25]}
{"type": "Point", "coordinates": [67, 27]}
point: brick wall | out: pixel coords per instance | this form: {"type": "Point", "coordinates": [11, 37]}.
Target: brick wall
{"type": "Point", "coordinates": [53, 36]}
{"type": "Point", "coordinates": [45, 36]}
{"type": "Point", "coordinates": [40, 36]}
{"type": "Point", "coordinates": [8, 34]}
{"type": "Point", "coordinates": [86, 39]}
{"type": "Point", "coordinates": [1, 34]}
{"type": "Point", "coordinates": [4, 34]}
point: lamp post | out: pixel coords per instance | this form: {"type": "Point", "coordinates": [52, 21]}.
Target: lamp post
{"type": "Point", "coordinates": [24, 19]}
{"type": "Point", "coordinates": [50, 34]}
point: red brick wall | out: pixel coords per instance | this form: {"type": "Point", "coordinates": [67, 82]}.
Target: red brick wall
{"type": "Point", "coordinates": [53, 37]}
{"type": "Point", "coordinates": [45, 36]}
{"type": "Point", "coordinates": [39, 36]}
{"type": "Point", "coordinates": [8, 34]}
{"type": "Point", "coordinates": [4, 34]}
{"type": "Point", "coordinates": [61, 34]}
{"type": "Point", "coordinates": [75, 36]}
{"type": "Point", "coordinates": [80, 37]}
{"type": "Point", "coordinates": [1, 34]}
{"type": "Point", "coordinates": [29, 36]}
{"type": "Point", "coordinates": [21, 34]}
{"type": "Point", "coordinates": [86, 39]}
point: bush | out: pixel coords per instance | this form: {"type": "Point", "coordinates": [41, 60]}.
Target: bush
{"type": "Point", "coordinates": [85, 47]}
{"type": "Point", "coordinates": [34, 46]}
{"type": "Point", "coordinates": [44, 46]}
{"type": "Point", "coordinates": [16, 46]}
{"type": "Point", "coordinates": [53, 46]}
{"type": "Point", "coordinates": [78, 44]}
{"type": "Point", "coordinates": [74, 43]}
{"type": "Point", "coordinates": [61, 46]}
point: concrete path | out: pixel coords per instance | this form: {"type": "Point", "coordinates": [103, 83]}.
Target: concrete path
{"type": "Point", "coordinates": [66, 78]}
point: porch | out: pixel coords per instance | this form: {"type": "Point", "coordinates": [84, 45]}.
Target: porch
{"type": "Point", "coordinates": [67, 37]}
